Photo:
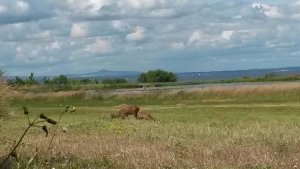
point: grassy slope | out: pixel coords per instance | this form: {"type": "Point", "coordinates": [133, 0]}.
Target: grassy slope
{"type": "Point", "coordinates": [214, 128]}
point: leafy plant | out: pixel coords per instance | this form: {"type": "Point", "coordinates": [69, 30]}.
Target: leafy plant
{"type": "Point", "coordinates": [31, 80]}
{"type": "Point", "coordinates": [39, 122]}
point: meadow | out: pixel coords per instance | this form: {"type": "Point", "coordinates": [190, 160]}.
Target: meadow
{"type": "Point", "coordinates": [251, 127]}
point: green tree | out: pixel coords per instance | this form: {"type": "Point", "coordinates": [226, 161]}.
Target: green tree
{"type": "Point", "coordinates": [31, 80]}
{"type": "Point", "coordinates": [157, 76]}
{"type": "Point", "coordinates": [19, 81]}
{"type": "Point", "coordinates": [61, 79]}
{"type": "Point", "coordinates": [60, 82]}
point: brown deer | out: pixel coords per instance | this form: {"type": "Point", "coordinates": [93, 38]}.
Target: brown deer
{"type": "Point", "coordinates": [126, 110]}
{"type": "Point", "coordinates": [143, 115]}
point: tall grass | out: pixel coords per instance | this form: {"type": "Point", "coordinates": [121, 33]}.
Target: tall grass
{"type": "Point", "coordinates": [4, 96]}
{"type": "Point", "coordinates": [271, 93]}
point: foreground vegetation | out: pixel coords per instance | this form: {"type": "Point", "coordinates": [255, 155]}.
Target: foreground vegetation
{"type": "Point", "coordinates": [236, 127]}
{"type": "Point", "coordinates": [4, 96]}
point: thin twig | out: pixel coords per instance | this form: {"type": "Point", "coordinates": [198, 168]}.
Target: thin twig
{"type": "Point", "coordinates": [52, 138]}
{"type": "Point", "coordinates": [20, 140]}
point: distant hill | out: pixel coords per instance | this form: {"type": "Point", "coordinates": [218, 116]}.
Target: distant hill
{"type": "Point", "coordinates": [107, 74]}
{"type": "Point", "coordinates": [184, 76]}
{"type": "Point", "coordinates": [101, 74]}
{"type": "Point", "coordinates": [224, 75]}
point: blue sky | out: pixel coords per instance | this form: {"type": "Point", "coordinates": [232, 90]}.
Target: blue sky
{"type": "Point", "coordinates": [51, 37]}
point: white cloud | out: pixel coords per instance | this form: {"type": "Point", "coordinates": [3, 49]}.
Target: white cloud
{"type": "Point", "coordinates": [71, 28]}
{"type": "Point", "coordinates": [53, 45]}
{"type": "Point", "coordinates": [19, 51]}
{"type": "Point", "coordinates": [17, 25]}
{"type": "Point", "coordinates": [195, 38]}
{"type": "Point", "coordinates": [142, 4]}
{"type": "Point", "coordinates": [92, 6]}
{"type": "Point", "coordinates": [22, 56]}
{"type": "Point", "coordinates": [22, 7]}
{"type": "Point", "coordinates": [267, 10]}
{"type": "Point", "coordinates": [162, 13]}
{"type": "Point", "coordinates": [42, 35]}
{"type": "Point", "coordinates": [226, 38]}
{"type": "Point", "coordinates": [227, 35]}
{"type": "Point", "coordinates": [283, 30]}
{"type": "Point", "coordinates": [3, 9]}
{"type": "Point", "coordinates": [99, 46]}
{"type": "Point", "coordinates": [27, 54]}
{"type": "Point", "coordinates": [137, 35]}
{"type": "Point", "coordinates": [297, 2]}
{"type": "Point", "coordinates": [119, 25]}
{"type": "Point", "coordinates": [274, 44]}
{"type": "Point", "coordinates": [167, 28]}
{"type": "Point", "coordinates": [237, 17]}
{"type": "Point", "coordinates": [78, 30]}
{"type": "Point", "coordinates": [177, 45]}
{"type": "Point", "coordinates": [295, 16]}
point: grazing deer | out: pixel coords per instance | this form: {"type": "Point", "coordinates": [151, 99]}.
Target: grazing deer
{"type": "Point", "coordinates": [143, 115]}
{"type": "Point", "coordinates": [126, 110]}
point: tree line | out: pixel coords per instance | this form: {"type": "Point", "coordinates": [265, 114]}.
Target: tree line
{"type": "Point", "coordinates": [147, 77]}
{"type": "Point", "coordinates": [62, 82]}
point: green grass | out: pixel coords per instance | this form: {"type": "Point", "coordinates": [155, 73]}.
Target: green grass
{"type": "Point", "coordinates": [183, 137]}
{"type": "Point", "coordinates": [241, 128]}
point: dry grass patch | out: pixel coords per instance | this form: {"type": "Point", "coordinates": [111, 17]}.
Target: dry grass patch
{"type": "Point", "coordinates": [249, 89]}
{"type": "Point", "coordinates": [131, 152]}
{"type": "Point", "coordinates": [4, 99]}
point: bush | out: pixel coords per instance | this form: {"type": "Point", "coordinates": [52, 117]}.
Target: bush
{"type": "Point", "coordinates": [18, 81]}
{"type": "Point", "coordinates": [157, 76]}
{"type": "Point", "coordinates": [60, 82]}
{"type": "Point", "coordinates": [4, 97]}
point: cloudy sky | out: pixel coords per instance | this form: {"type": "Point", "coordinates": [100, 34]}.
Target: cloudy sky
{"type": "Point", "coordinates": [51, 37]}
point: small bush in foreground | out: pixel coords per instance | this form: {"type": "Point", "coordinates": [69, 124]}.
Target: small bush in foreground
{"type": "Point", "coordinates": [40, 121]}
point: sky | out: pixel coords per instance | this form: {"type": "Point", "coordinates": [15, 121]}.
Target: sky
{"type": "Point", "coordinates": [51, 37]}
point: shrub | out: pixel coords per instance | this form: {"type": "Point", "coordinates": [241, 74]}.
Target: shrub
{"type": "Point", "coordinates": [157, 76]}
{"type": "Point", "coordinates": [60, 82]}
{"type": "Point", "coordinates": [18, 81]}
{"type": "Point", "coordinates": [31, 80]}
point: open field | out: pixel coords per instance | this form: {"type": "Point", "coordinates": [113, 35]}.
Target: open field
{"type": "Point", "coordinates": [240, 127]}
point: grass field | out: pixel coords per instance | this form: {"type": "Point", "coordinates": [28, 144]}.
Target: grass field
{"type": "Point", "coordinates": [244, 127]}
